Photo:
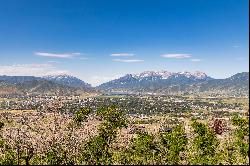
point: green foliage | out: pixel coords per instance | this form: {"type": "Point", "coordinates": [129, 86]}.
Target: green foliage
{"type": "Point", "coordinates": [204, 144]}
{"type": "Point", "coordinates": [113, 115]}
{"type": "Point", "coordinates": [98, 149]}
{"type": "Point", "coordinates": [1, 139]}
{"type": "Point", "coordinates": [238, 121]}
{"type": "Point", "coordinates": [143, 151]}
{"type": "Point", "coordinates": [8, 155]}
{"type": "Point", "coordinates": [53, 156]}
{"type": "Point", "coordinates": [241, 134]}
{"type": "Point", "coordinates": [81, 115]}
{"type": "Point", "coordinates": [8, 158]}
{"type": "Point", "coordinates": [2, 143]}
{"type": "Point", "coordinates": [1, 125]}
{"type": "Point", "coordinates": [58, 155]}
{"type": "Point", "coordinates": [143, 143]}
{"type": "Point", "coordinates": [174, 142]}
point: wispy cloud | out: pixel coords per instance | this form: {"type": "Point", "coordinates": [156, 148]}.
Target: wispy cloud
{"type": "Point", "coordinates": [34, 69]}
{"type": "Point", "coordinates": [235, 46]}
{"type": "Point", "coordinates": [56, 55]}
{"type": "Point", "coordinates": [195, 60]}
{"type": "Point", "coordinates": [122, 54]}
{"type": "Point", "coordinates": [83, 58]}
{"type": "Point", "coordinates": [176, 56]}
{"type": "Point", "coordinates": [127, 60]}
{"type": "Point", "coordinates": [53, 62]}
{"type": "Point", "coordinates": [77, 53]}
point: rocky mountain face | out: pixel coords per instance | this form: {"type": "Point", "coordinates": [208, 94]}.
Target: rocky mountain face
{"type": "Point", "coordinates": [155, 80]}
{"type": "Point", "coordinates": [179, 82]}
{"type": "Point", "coordinates": [57, 85]}
{"type": "Point", "coordinates": [67, 80]}
{"type": "Point", "coordinates": [18, 79]}
{"type": "Point", "coordinates": [162, 82]}
{"type": "Point", "coordinates": [236, 84]}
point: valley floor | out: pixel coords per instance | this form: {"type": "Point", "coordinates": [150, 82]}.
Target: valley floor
{"type": "Point", "coordinates": [56, 137]}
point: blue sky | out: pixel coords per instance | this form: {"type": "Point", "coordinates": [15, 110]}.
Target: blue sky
{"type": "Point", "coordinates": [99, 40]}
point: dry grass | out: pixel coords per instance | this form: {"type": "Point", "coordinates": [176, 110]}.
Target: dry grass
{"type": "Point", "coordinates": [18, 111]}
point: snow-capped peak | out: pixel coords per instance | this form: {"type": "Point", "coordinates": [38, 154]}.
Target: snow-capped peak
{"type": "Point", "coordinates": [186, 74]}
{"type": "Point", "coordinates": [66, 79]}
{"type": "Point", "coordinates": [145, 74]}
{"type": "Point", "coordinates": [200, 74]}
{"type": "Point", "coordinates": [59, 76]}
{"type": "Point", "coordinates": [165, 74]}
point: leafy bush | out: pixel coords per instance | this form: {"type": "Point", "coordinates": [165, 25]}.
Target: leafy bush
{"type": "Point", "coordinates": [143, 151]}
{"type": "Point", "coordinates": [242, 134]}
{"type": "Point", "coordinates": [81, 115]}
{"type": "Point", "coordinates": [204, 144]}
{"type": "Point", "coordinates": [98, 149]}
{"type": "Point", "coordinates": [174, 142]}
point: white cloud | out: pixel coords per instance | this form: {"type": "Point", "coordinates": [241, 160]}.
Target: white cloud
{"type": "Point", "coordinates": [34, 69]}
{"type": "Point", "coordinates": [122, 54]}
{"type": "Point", "coordinates": [176, 56]}
{"type": "Point", "coordinates": [127, 60]}
{"type": "Point", "coordinates": [195, 60]}
{"type": "Point", "coordinates": [55, 55]}
{"type": "Point", "coordinates": [77, 53]}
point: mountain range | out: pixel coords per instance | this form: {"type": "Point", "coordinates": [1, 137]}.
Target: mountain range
{"type": "Point", "coordinates": [178, 83]}
{"type": "Point", "coordinates": [162, 82]}
{"type": "Point", "coordinates": [56, 84]}
{"type": "Point", "coordinates": [67, 80]}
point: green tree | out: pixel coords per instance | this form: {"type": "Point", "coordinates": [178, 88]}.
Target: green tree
{"type": "Point", "coordinates": [204, 145]}
{"type": "Point", "coordinates": [241, 135]}
{"type": "Point", "coordinates": [81, 115]}
{"type": "Point", "coordinates": [143, 150]}
{"type": "Point", "coordinates": [98, 149]}
{"type": "Point", "coordinates": [174, 142]}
